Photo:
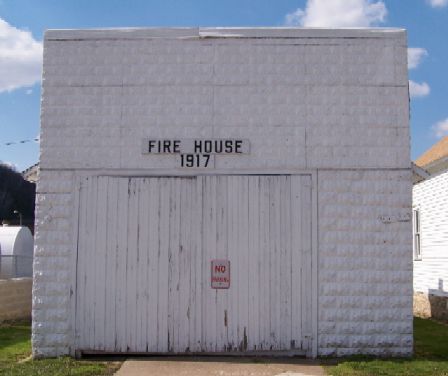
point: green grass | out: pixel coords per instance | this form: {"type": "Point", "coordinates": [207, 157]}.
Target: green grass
{"type": "Point", "coordinates": [430, 359]}
{"type": "Point", "coordinates": [430, 356]}
{"type": "Point", "coordinates": [64, 366]}
{"type": "Point", "coordinates": [14, 344]}
{"type": "Point", "coordinates": [430, 339]}
{"type": "Point", "coordinates": [15, 351]}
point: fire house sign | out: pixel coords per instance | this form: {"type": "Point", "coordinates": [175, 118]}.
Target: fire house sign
{"type": "Point", "coordinates": [195, 153]}
{"type": "Point", "coordinates": [220, 274]}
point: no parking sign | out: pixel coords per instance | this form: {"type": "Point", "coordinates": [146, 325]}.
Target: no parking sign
{"type": "Point", "coordinates": [220, 274]}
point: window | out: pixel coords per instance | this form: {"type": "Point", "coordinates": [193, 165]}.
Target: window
{"type": "Point", "coordinates": [417, 240]}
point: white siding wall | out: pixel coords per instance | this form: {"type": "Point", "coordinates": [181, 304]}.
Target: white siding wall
{"type": "Point", "coordinates": [335, 102]}
{"type": "Point", "coordinates": [431, 198]}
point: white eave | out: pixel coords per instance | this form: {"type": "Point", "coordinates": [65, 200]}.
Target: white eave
{"type": "Point", "coordinates": [419, 174]}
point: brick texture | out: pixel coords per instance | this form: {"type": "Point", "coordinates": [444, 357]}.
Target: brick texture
{"type": "Point", "coordinates": [365, 265]}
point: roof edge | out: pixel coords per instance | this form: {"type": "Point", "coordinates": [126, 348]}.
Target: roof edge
{"type": "Point", "coordinates": [436, 165]}
{"type": "Point", "coordinates": [222, 32]}
{"type": "Point", "coordinates": [419, 174]}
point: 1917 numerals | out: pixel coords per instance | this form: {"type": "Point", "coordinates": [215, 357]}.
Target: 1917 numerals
{"type": "Point", "coordinates": [194, 160]}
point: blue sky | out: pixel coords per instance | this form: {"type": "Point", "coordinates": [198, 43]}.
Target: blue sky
{"type": "Point", "coordinates": [20, 51]}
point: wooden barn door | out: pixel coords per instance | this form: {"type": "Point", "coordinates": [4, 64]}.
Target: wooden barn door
{"type": "Point", "coordinates": [145, 247]}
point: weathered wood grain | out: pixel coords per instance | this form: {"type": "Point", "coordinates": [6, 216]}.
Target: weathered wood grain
{"type": "Point", "coordinates": [144, 259]}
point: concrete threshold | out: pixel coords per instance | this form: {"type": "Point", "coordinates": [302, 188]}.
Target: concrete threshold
{"type": "Point", "coordinates": [219, 366]}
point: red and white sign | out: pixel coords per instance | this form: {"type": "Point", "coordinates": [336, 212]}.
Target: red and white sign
{"type": "Point", "coordinates": [220, 274]}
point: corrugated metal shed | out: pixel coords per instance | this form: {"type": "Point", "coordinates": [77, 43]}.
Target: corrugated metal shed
{"type": "Point", "coordinates": [16, 252]}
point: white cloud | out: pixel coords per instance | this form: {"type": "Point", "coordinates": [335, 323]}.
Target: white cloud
{"type": "Point", "coordinates": [441, 128]}
{"type": "Point", "coordinates": [338, 13]}
{"type": "Point", "coordinates": [20, 58]}
{"type": "Point", "coordinates": [415, 57]}
{"type": "Point", "coordinates": [438, 3]}
{"type": "Point", "coordinates": [417, 90]}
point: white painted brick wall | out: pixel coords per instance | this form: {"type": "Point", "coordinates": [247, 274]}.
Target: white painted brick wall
{"type": "Point", "coordinates": [365, 266]}
{"type": "Point", "coordinates": [329, 101]}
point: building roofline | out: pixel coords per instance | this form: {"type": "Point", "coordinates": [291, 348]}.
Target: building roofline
{"type": "Point", "coordinates": [30, 168]}
{"type": "Point", "coordinates": [222, 32]}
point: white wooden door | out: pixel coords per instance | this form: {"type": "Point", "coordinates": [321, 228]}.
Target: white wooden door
{"type": "Point", "coordinates": [145, 247]}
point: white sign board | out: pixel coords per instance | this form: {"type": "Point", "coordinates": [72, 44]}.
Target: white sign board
{"type": "Point", "coordinates": [195, 153]}
{"type": "Point", "coordinates": [220, 274]}
{"type": "Point", "coordinates": [195, 146]}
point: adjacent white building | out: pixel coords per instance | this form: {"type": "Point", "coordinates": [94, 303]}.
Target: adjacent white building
{"type": "Point", "coordinates": [224, 190]}
{"type": "Point", "coordinates": [430, 208]}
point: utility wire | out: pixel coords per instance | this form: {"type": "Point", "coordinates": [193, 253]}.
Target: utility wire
{"type": "Point", "coordinates": [19, 142]}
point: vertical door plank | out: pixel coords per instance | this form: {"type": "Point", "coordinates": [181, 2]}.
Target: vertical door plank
{"type": "Point", "coordinates": [243, 264]}
{"type": "Point", "coordinates": [91, 262]}
{"type": "Point", "coordinates": [306, 259]}
{"type": "Point", "coordinates": [191, 243]}
{"type": "Point", "coordinates": [90, 232]}
{"type": "Point", "coordinates": [174, 312]}
{"type": "Point", "coordinates": [111, 262]}
{"type": "Point", "coordinates": [204, 265]}
{"type": "Point", "coordinates": [265, 324]}
{"type": "Point", "coordinates": [254, 263]}
{"type": "Point", "coordinates": [184, 266]}
{"type": "Point", "coordinates": [277, 271]}
{"type": "Point", "coordinates": [142, 287]}
{"type": "Point", "coordinates": [163, 281]}
{"type": "Point", "coordinates": [120, 292]}
{"type": "Point", "coordinates": [272, 263]}
{"type": "Point", "coordinates": [239, 248]}
{"type": "Point", "coordinates": [81, 269]}
{"type": "Point", "coordinates": [221, 253]}
{"type": "Point", "coordinates": [173, 241]}
{"type": "Point", "coordinates": [296, 260]}
{"type": "Point", "coordinates": [131, 266]}
{"type": "Point", "coordinates": [197, 343]}
{"type": "Point", "coordinates": [152, 302]}
{"type": "Point", "coordinates": [232, 227]}
{"type": "Point", "coordinates": [209, 223]}
{"type": "Point", "coordinates": [285, 271]}
{"type": "Point", "coordinates": [100, 262]}
{"type": "Point", "coordinates": [288, 260]}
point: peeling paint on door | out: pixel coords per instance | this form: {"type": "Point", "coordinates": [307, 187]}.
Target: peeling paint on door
{"type": "Point", "coordinates": [145, 246]}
